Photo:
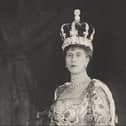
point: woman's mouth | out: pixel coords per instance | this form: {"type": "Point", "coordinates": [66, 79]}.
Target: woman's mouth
{"type": "Point", "coordinates": [73, 65]}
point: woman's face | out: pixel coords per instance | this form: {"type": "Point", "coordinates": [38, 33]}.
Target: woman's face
{"type": "Point", "coordinates": [76, 60]}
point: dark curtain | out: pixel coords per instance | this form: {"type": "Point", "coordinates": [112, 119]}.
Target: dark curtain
{"type": "Point", "coordinates": [16, 79]}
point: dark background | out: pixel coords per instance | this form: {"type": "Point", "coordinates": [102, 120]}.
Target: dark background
{"type": "Point", "coordinates": [33, 29]}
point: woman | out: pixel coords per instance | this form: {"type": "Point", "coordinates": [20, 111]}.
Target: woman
{"type": "Point", "coordinates": [82, 101]}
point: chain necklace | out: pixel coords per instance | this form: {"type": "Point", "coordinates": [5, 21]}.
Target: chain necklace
{"type": "Point", "coordinates": [83, 82]}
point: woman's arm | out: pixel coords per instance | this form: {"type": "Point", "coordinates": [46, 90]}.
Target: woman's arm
{"type": "Point", "coordinates": [105, 102]}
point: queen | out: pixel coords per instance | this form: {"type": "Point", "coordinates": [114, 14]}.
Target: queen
{"type": "Point", "coordinates": [82, 101]}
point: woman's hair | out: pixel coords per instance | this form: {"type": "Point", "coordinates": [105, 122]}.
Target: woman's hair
{"type": "Point", "coordinates": [88, 51]}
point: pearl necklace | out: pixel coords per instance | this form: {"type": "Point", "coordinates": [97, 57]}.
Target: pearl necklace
{"type": "Point", "coordinates": [76, 84]}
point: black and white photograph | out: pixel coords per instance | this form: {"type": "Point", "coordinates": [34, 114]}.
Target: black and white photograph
{"type": "Point", "coordinates": [62, 63]}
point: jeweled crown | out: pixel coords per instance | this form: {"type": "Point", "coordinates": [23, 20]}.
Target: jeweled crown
{"type": "Point", "coordinates": [77, 32]}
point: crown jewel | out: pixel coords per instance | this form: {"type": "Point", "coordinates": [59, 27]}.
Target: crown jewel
{"type": "Point", "coordinates": [77, 32]}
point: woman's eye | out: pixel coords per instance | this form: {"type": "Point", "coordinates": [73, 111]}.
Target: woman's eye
{"type": "Point", "coordinates": [78, 54]}
{"type": "Point", "coordinates": [69, 55]}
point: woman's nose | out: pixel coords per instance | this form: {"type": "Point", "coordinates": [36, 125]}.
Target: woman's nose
{"type": "Point", "coordinates": [73, 58]}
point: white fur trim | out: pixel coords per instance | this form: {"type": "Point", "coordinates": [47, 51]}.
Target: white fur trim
{"type": "Point", "coordinates": [111, 101]}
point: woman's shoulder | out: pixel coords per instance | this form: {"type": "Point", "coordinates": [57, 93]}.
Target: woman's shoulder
{"type": "Point", "coordinates": [100, 85]}
{"type": "Point", "coordinates": [63, 85]}
{"type": "Point", "coordinates": [60, 89]}
{"type": "Point", "coordinates": [102, 89]}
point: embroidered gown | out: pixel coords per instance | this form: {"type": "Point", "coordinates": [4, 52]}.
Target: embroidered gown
{"type": "Point", "coordinates": [93, 107]}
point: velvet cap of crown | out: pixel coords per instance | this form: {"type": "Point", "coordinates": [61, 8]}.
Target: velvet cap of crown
{"type": "Point", "coordinates": [77, 32]}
